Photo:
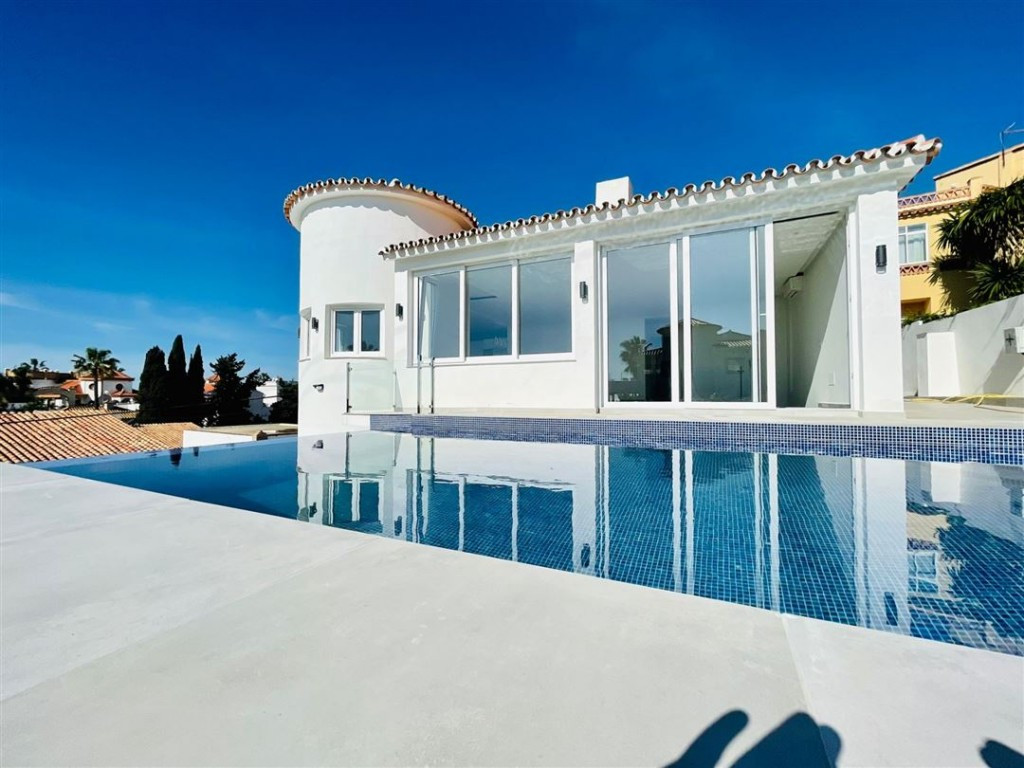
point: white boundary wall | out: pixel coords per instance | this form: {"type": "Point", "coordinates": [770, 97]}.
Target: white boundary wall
{"type": "Point", "coordinates": [983, 366]}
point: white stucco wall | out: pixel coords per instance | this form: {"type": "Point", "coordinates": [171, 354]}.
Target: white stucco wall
{"type": "Point", "coordinates": [982, 364]}
{"type": "Point", "coordinates": [876, 352]}
{"type": "Point", "coordinates": [818, 330]}
{"type": "Point", "coordinates": [342, 234]}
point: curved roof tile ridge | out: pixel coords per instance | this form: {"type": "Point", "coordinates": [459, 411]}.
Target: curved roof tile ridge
{"type": "Point", "coordinates": [367, 183]}
{"type": "Point", "coordinates": [915, 145]}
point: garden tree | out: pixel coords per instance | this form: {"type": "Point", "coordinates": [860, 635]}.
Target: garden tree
{"type": "Point", "coordinates": [17, 386]}
{"type": "Point", "coordinates": [229, 403]}
{"type": "Point", "coordinates": [153, 395]}
{"type": "Point", "coordinates": [97, 364]}
{"type": "Point", "coordinates": [286, 409]}
{"type": "Point", "coordinates": [634, 355]}
{"type": "Point", "coordinates": [195, 383]}
{"type": "Point", "coordinates": [36, 365]}
{"type": "Point", "coordinates": [985, 238]}
{"type": "Point", "coordinates": [177, 380]}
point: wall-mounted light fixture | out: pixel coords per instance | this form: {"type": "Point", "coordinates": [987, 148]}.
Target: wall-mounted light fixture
{"type": "Point", "coordinates": [584, 291]}
{"type": "Point", "coordinates": [318, 444]}
{"type": "Point", "coordinates": [318, 387]}
{"type": "Point", "coordinates": [399, 311]}
{"type": "Point", "coordinates": [881, 258]}
{"type": "Point", "coordinates": [315, 324]}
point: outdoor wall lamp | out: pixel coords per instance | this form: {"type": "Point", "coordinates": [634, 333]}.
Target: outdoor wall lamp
{"type": "Point", "coordinates": [584, 292]}
{"type": "Point", "coordinates": [881, 258]}
{"type": "Point", "coordinates": [318, 444]}
{"type": "Point", "coordinates": [318, 387]}
{"type": "Point", "coordinates": [399, 311]}
{"type": "Point", "coordinates": [315, 324]}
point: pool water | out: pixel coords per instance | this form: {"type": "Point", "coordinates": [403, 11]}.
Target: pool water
{"type": "Point", "coordinates": [929, 549]}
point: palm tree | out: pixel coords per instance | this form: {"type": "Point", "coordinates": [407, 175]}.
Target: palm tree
{"type": "Point", "coordinates": [985, 237]}
{"type": "Point", "coordinates": [97, 363]}
{"type": "Point", "coordinates": [37, 365]}
{"type": "Point", "coordinates": [634, 355]}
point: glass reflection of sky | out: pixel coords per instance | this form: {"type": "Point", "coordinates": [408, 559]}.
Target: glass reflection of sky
{"type": "Point", "coordinates": [932, 550]}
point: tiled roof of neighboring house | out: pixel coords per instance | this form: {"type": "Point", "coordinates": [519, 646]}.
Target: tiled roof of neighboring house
{"type": "Point", "coordinates": [74, 385]}
{"type": "Point", "coordinates": [169, 434]}
{"type": "Point", "coordinates": [379, 184]}
{"type": "Point", "coordinates": [50, 435]}
{"type": "Point", "coordinates": [211, 384]}
{"type": "Point", "coordinates": [917, 145]}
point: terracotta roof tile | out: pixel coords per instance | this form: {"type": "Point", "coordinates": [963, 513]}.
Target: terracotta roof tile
{"type": "Point", "coordinates": [368, 183]}
{"type": "Point", "coordinates": [47, 435]}
{"type": "Point", "coordinates": [917, 145]}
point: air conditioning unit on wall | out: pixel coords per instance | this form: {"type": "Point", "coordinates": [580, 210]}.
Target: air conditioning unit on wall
{"type": "Point", "coordinates": [793, 285]}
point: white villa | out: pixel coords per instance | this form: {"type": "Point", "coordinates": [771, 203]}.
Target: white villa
{"type": "Point", "coordinates": [771, 291]}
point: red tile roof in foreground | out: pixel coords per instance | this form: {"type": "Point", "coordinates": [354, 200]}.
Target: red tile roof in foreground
{"type": "Point", "coordinates": [917, 145]}
{"type": "Point", "coordinates": [51, 435]}
{"type": "Point", "coordinates": [379, 184]}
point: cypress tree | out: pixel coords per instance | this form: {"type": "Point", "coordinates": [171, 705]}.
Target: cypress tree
{"type": "Point", "coordinates": [229, 403]}
{"type": "Point", "coordinates": [195, 387]}
{"type": "Point", "coordinates": [177, 380]}
{"type": "Point", "coordinates": [153, 396]}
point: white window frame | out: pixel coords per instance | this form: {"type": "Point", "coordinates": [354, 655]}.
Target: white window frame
{"type": "Point", "coordinates": [901, 243]}
{"type": "Point", "coordinates": [680, 312]}
{"type": "Point", "coordinates": [463, 357]}
{"type": "Point", "coordinates": [357, 330]}
{"type": "Point", "coordinates": [305, 334]}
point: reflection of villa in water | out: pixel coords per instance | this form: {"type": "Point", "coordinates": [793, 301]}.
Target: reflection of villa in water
{"type": "Point", "coordinates": [853, 540]}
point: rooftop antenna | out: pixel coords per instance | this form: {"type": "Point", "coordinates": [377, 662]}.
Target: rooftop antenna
{"type": "Point", "coordinates": [1007, 131]}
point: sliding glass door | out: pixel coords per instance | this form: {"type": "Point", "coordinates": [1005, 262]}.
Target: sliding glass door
{"type": "Point", "coordinates": [688, 320]}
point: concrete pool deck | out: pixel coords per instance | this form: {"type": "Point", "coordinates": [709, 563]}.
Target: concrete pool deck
{"type": "Point", "coordinates": [142, 629]}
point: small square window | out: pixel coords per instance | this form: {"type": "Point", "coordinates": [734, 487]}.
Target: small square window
{"type": "Point", "coordinates": [355, 332]}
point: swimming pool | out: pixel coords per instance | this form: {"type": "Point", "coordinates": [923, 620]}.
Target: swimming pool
{"type": "Point", "coordinates": [929, 549]}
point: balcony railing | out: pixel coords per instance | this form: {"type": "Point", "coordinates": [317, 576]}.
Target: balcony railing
{"type": "Point", "coordinates": [952, 195]}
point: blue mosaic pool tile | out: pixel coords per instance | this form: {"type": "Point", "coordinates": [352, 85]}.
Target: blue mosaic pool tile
{"type": "Point", "coordinates": [983, 445]}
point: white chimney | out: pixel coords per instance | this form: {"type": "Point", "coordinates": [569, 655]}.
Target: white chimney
{"type": "Point", "coordinates": [613, 190]}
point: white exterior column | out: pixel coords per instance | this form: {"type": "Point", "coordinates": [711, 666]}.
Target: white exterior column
{"type": "Point", "coordinates": [586, 332]}
{"type": "Point", "coordinates": [876, 355]}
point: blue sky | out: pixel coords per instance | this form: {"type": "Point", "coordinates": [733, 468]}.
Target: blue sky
{"type": "Point", "coordinates": [146, 148]}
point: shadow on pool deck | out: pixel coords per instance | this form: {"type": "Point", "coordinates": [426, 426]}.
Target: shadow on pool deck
{"type": "Point", "coordinates": [798, 740]}
{"type": "Point", "coordinates": [998, 755]}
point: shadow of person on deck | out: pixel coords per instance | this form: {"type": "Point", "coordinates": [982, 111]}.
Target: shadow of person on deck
{"type": "Point", "coordinates": [998, 755]}
{"type": "Point", "coordinates": [797, 741]}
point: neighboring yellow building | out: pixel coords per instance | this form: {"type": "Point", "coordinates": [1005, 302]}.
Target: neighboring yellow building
{"type": "Point", "coordinates": [919, 231]}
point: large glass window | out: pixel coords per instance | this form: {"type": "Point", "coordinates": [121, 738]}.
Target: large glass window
{"type": "Point", "coordinates": [489, 291]}
{"type": "Point", "coordinates": [914, 244]}
{"type": "Point", "coordinates": [440, 313]}
{"type": "Point", "coordinates": [721, 333]}
{"type": "Point", "coordinates": [638, 313]}
{"type": "Point", "coordinates": [545, 307]}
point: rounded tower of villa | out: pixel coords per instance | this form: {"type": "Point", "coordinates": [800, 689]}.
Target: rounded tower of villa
{"type": "Point", "coordinates": [349, 334]}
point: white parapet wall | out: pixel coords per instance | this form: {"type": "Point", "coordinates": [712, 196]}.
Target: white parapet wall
{"type": "Point", "coordinates": [965, 354]}
{"type": "Point", "coordinates": [192, 438]}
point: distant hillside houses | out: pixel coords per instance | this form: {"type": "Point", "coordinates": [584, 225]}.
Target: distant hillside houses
{"type": "Point", "coordinates": [64, 389]}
